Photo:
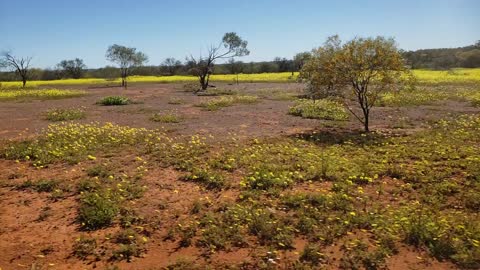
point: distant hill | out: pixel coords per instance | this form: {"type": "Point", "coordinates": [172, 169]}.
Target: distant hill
{"type": "Point", "coordinates": [467, 57]}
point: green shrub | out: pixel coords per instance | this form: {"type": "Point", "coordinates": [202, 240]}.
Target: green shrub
{"type": "Point", "coordinates": [312, 255]}
{"type": "Point", "coordinates": [217, 92]}
{"type": "Point", "coordinates": [218, 103]}
{"type": "Point", "coordinates": [319, 109]}
{"type": "Point", "coordinates": [84, 247]}
{"type": "Point", "coordinates": [209, 178]}
{"type": "Point", "coordinates": [97, 210]}
{"type": "Point", "coordinates": [64, 114]}
{"type": "Point", "coordinates": [98, 171]}
{"type": "Point", "coordinates": [39, 186]}
{"type": "Point", "coordinates": [114, 101]}
{"type": "Point", "coordinates": [165, 118]}
{"type": "Point", "coordinates": [412, 98]}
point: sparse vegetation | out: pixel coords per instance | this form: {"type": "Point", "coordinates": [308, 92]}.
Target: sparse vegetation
{"type": "Point", "coordinates": [319, 109]}
{"type": "Point", "coordinates": [218, 103]}
{"type": "Point", "coordinates": [176, 101]}
{"type": "Point", "coordinates": [114, 101]}
{"type": "Point", "coordinates": [285, 178]}
{"type": "Point", "coordinates": [56, 115]}
{"type": "Point", "coordinates": [166, 118]}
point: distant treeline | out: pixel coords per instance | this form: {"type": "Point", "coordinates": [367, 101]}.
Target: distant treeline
{"type": "Point", "coordinates": [466, 57]}
{"type": "Point", "coordinates": [278, 65]}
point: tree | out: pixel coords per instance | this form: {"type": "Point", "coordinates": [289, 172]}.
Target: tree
{"type": "Point", "coordinates": [283, 64]}
{"type": "Point", "coordinates": [171, 65]}
{"type": "Point", "coordinates": [469, 59]}
{"type": "Point", "coordinates": [72, 68]}
{"type": "Point", "coordinates": [230, 46]}
{"type": "Point", "coordinates": [21, 66]}
{"type": "Point", "coordinates": [126, 58]}
{"type": "Point", "coordinates": [367, 66]}
{"type": "Point", "coordinates": [235, 67]}
{"type": "Point", "coordinates": [300, 59]}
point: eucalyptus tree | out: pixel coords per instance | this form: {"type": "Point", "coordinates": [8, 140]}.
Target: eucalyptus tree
{"type": "Point", "coordinates": [231, 46]}
{"type": "Point", "coordinates": [363, 67]}
{"type": "Point", "coordinates": [126, 58]}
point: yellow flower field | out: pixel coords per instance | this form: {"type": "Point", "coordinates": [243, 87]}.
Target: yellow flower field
{"type": "Point", "coordinates": [39, 93]}
{"type": "Point", "coordinates": [424, 76]}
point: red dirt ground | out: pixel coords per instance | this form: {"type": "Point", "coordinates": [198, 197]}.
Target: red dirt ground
{"type": "Point", "coordinates": [30, 242]}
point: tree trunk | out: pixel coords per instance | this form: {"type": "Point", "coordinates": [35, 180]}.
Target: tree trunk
{"type": "Point", "coordinates": [124, 78]}
{"type": "Point", "coordinates": [24, 81]}
{"type": "Point", "coordinates": [365, 121]}
{"type": "Point", "coordinates": [203, 82]}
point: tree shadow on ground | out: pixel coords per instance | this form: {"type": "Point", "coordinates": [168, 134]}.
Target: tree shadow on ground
{"type": "Point", "coordinates": [343, 136]}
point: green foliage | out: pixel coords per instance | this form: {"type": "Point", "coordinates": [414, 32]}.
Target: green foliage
{"type": "Point", "coordinates": [367, 66]}
{"type": "Point", "coordinates": [412, 98]}
{"type": "Point", "coordinates": [420, 189]}
{"type": "Point", "coordinates": [217, 92]}
{"type": "Point", "coordinates": [72, 68]}
{"type": "Point", "coordinates": [207, 177]}
{"type": "Point", "coordinates": [114, 101]}
{"type": "Point", "coordinates": [218, 103]}
{"type": "Point", "coordinates": [65, 114]}
{"type": "Point", "coordinates": [166, 118]}
{"type": "Point", "coordinates": [71, 142]}
{"type": "Point", "coordinates": [97, 210]}
{"type": "Point", "coordinates": [99, 170]}
{"type": "Point", "coordinates": [40, 186]}
{"type": "Point", "coordinates": [357, 256]}
{"type": "Point", "coordinates": [312, 255]}
{"type": "Point", "coordinates": [445, 58]}
{"type": "Point", "coordinates": [84, 247]}
{"type": "Point", "coordinates": [319, 109]}
{"type": "Point", "coordinates": [131, 245]}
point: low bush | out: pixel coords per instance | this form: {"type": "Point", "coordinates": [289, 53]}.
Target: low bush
{"type": "Point", "coordinates": [64, 114]}
{"type": "Point", "coordinates": [114, 101]}
{"type": "Point", "coordinates": [166, 118]}
{"type": "Point", "coordinates": [320, 109]}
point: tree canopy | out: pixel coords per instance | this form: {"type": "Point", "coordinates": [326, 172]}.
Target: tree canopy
{"type": "Point", "coordinates": [231, 46]}
{"type": "Point", "coordinates": [72, 68]}
{"type": "Point", "coordinates": [126, 58]}
{"type": "Point", "coordinates": [364, 67]}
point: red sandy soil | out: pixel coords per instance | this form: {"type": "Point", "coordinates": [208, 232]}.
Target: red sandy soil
{"type": "Point", "coordinates": [30, 242]}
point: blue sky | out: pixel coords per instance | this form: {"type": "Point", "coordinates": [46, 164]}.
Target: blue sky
{"type": "Point", "coordinates": [53, 30]}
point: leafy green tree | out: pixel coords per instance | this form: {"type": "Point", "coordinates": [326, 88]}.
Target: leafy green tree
{"type": "Point", "coordinates": [72, 68]}
{"type": "Point", "coordinates": [230, 46]}
{"type": "Point", "coordinates": [364, 67]}
{"type": "Point", "coordinates": [126, 58]}
{"type": "Point", "coordinates": [300, 59]}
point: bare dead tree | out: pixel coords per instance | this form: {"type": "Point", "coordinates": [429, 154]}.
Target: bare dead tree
{"type": "Point", "coordinates": [21, 66]}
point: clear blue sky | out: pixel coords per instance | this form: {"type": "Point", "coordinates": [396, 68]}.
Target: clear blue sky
{"type": "Point", "coordinates": [53, 30]}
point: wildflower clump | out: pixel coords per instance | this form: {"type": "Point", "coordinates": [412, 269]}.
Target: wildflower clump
{"type": "Point", "coordinates": [319, 109]}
